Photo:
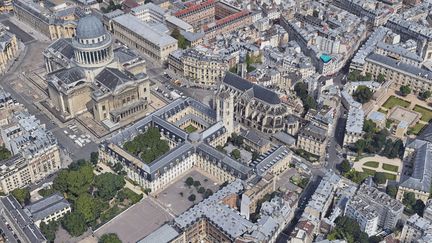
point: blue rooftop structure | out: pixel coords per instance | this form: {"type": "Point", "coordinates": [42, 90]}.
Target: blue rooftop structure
{"type": "Point", "coordinates": [325, 58]}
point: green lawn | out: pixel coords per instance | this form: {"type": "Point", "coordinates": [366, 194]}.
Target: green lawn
{"type": "Point", "coordinates": [372, 173]}
{"type": "Point", "coordinates": [389, 167]}
{"type": "Point", "coordinates": [426, 113]}
{"type": "Point", "coordinates": [417, 128]}
{"type": "Point", "coordinates": [382, 110]}
{"type": "Point", "coordinates": [190, 129]}
{"type": "Point", "coordinates": [372, 164]}
{"type": "Point", "coordinates": [394, 101]}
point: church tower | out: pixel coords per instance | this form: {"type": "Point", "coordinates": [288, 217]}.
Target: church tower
{"type": "Point", "coordinates": [225, 110]}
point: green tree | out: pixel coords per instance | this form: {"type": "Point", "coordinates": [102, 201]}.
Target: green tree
{"type": "Point", "coordinates": [94, 157]}
{"type": "Point", "coordinates": [354, 75]}
{"type": "Point", "coordinates": [344, 166]}
{"type": "Point", "coordinates": [181, 41]}
{"type": "Point", "coordinates": [88, 206]}
{"type": "Point", "coordinates": [381, 78]}
{"type": "Point", "coordinates": [192, 198]}
{"type": "Point", "coordinates": [208, 193]}
{"type": "Point", "coordinates": [201, 190]}
{"type": "Point", "coordinates": [197, 184]}
{"type": "Point", "coordinates": [74, 224]}
{"type": "Point", "coordinates": [404, 90]}
{"type": "Point", "coordinates": [380, 178]}
{"type": "Point", "coordinates": [348, 229]}
{"type": "Point", "coordinates": [419, 207]}
{"type": "Point", "coordinates": [360, 146]}
{"type": "Point", "coordinates": [189, 181]}
{"type": "Point", "coordinates": [22, 195]}
{"type": "Point", "coordinates": [310, 103]}
{"type": "Point", "coordinates": [235, 153]}
{"type": "Point", "coordinates": [363, 94]}
{"type": "Point", "coordinates": [369, 126]}
{"type": "Point", "coordinates": [109, 238]}
{"type": "Point", "coordinates": [4, 153]}
{"type": "Point", "coordinates": [301, 90]}
{"type": "Point", "coordinates": [49, 230]}
{"type": "Point", "coordinates": [409, 199]}
{"type": "Point", "coordinates": [425, 95]}
{"type": "Point", "coordinates": [375, 239]}
{"type": "Point", "coordinates": [108, 184]}
{"type": "Point", "coordinates": [391, 190]}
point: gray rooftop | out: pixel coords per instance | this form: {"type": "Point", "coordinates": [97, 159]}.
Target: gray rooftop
{"type": "Point", "coordinates": [164, 234]}
{"type": "Point", "coordinates": [89, 27]}
{"type": "Point", "coordinates": [421, 177]}
{"type": "Point", "coordinates": [47, 206]}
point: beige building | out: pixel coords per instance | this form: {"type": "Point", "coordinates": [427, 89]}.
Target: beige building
{"type": "Point", "coordinates": [87, 75]}
{"type": "Point", "coordinates": [312, 139]}
{"type": "Point", "coordinates": [55, 22]}
{"type": "Point", "coordinates": [201, 68]}
{"type": "Point", "coordinates": [9, 48]}
{"type": "Point", "coordinates": [47, 209]}
{"type": "Point", "coordinates": [415, 228]}
{"type": "Point", "coordinates": [418, 79]}
{"type": "Point", "coordinates": [153, 41]}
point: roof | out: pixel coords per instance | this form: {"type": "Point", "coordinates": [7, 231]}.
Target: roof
{"type": "Point", "coordinates": [194, 8]}
{"type": "Point", "coordinates": [144, 30]}
{"type": "Point", "coordinates": [164, 234]}
{"type": "Point", "coordinates": [111, 78]}
{"type": "Point", "coordinates": [70, 75]}
{"type": "Point", "coordinates": [47, 206]}
{"type": "Point", "coordinates": [63, 46]}
{"type": "Point", "coordinates": [89, 27]}
{"type": "Point", "coordinates": [259, 92]}
{"type": "Point", "coordinates": [421, 177]}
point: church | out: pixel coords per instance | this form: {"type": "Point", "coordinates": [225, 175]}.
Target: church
{"type": "Point", "coordinates": [87, 74]}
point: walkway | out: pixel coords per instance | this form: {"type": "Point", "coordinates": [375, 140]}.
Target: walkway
{"type": "Point", "coordinates": [358, 166]}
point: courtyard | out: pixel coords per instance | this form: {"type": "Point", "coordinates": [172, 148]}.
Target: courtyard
{"type": "Point", "coordinates": [392, 168]}
{"type": "Point", "coordinates": [176, 196]}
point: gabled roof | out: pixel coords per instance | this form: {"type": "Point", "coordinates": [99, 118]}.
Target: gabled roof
{"type": "Point", "coordinates": [70, 75]}
{"type": "Point", "coordinates": [112, 78]}
{"type": "Point", "coordinates": [258, 92]}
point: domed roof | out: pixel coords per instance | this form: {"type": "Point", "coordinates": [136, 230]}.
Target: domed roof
{"type": "Point", "coordinates": [89, 27]}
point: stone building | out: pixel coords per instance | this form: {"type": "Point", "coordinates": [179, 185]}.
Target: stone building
{"type": "Point", "coordinates": [254, 106]}
{"type": "Point", "coordinates": [9, 48]}
{"type": "Point", "coordinates": [312, 139]}
{"type": "Point", "coordinates": [87, 75]}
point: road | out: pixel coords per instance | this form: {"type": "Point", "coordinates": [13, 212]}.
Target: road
{"type": "Point", "coordinates": [13, 79]}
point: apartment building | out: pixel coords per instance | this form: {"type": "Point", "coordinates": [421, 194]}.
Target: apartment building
{"type": "Point", "coordinates": [153, 41]}
{"type": "Point", "coordinates": [312, 139]}
{"type": "Point", "coordinates": [374, 210]}
{"type": "Point", "coordinates": [199, 14]}
{"type": "Point", "coordinates": [415, 229]}
{"type": "Point", "coordinates": [35, 150]}
{"type": "Point", "coordinates": [47, 209]}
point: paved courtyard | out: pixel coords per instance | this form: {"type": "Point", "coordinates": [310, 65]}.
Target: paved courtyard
{"type": "Point", "coordinates": [176, 203]}
{"type": "Point", "coordinates": [137, 222]}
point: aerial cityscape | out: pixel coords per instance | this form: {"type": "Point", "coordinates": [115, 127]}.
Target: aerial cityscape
{"type": "Point", "coordinates": [195, 121]}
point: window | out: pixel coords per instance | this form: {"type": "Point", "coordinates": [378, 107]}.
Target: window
{"type": "Point", "coordinates": [103, 107]}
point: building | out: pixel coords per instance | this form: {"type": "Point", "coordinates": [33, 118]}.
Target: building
{"type": "Point", "coordinates": [48, 209]}
{"type": "Point", "coordinates": [312, 139]}
{"type": "Point", "coordinates": [254, 106]}
{"type": "Point", "coordinates": [9, 48]}
{"type": "Point", "coordinates": [418, 153]}
{"type": "Point", "coordinates": [36, 152]}
{"type": "Point", "coordinates": [58, 21]}
{"type": "Point", "coordinates": [374, 210]}
{"type": "Point", "coordinates": [87, 75]}
{"type": "Point", "coordinates": [201, 68]}
{"type": "Point", "coordinates": [152, 40]}
{"type": "Point", "coordinates": [254, 141]}
{"type": "Point", "coordinates": [199, 14]}
{"type": "Point", "coordinates": [22, 225]}
{"type": "Point", "coordinates": [416, 228]}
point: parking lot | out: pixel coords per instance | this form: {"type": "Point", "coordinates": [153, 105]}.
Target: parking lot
{"type": "Point", "coordinates": [79, 138]}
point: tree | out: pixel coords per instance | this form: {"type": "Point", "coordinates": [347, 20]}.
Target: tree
{"type": "Point", "coordinates": [208, 193]}
{"type": "Point", "coordinates": [363, 94]}
{"type": "Point", "coordinates": [201, 190]}
{"type": "Point", "coordinates": [344, 166]}
{"type": "Point", "coordinates": [381, 78]}
{"type": "Point", "coordinates": [310, 103]}
{"type": "Point", "coordinates": [22, 195]}
{"type": "Point", "coordinates": [181, 41]}
{"type": "Point", "coordinates": [197, 184]}
{"type": "Point", "coordinates": [369, 126]}
{"type": "Point", "coordinates": [360, 146]}
{"type": "Point", "coordinates": [380, 178]}
{"type": "Point", "coordinates": [88, 207]}
{"type": "Point", "coordinates": [419, 207]}
{"type": "Point", "coordinates": [108, 184]}
{"type": "Point", "coordinates": [409, 199]}
{"type": "Point", "coordinates": [235, 153]}
{"type": "Point", "coordinates": [348, 229]}
{"type": "Point", "coordinates": [354, 75]}
{"type": "Point", "coordinates": [4, 153]}
{"type": "Point", "coordinates": [94, 157]}
{"type": "Point", "coordinates": [109, 238]}
{"type": "Point", "coordinates": [404, 90]}
{"type": "Point", "coordinates": [192, 197]}
{"type": "Point", "coordinates": [391, 190]}
{"type": "Point", "coordinates": [49, 230]}
{"type": "Point", "coordinates": [189, 181]}
{"type": "Point", "coordinates": [425, 95]}
{"type": "Point", "coordinates": [148, 146]}
{"type": "Point", "coordinates": [375, 239]}
{"type": "Point", "coordinates": [74, 224]}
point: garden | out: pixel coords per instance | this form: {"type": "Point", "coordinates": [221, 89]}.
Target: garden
{"type": "Point", "coordinates": [395, 101]}
{"type": "Point", "coordinates": [148, 146]}
{"type": "Point", "coordinates": [426, 113]}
